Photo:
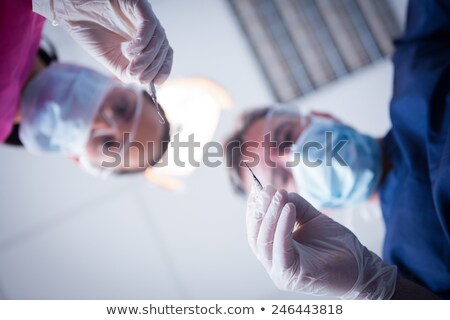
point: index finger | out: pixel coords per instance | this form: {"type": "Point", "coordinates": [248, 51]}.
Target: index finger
{"type": "Point", "coordinates": [143, 22]}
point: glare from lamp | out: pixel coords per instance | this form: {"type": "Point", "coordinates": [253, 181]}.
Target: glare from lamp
{"type": "Point", "coordinates": [187, 103]}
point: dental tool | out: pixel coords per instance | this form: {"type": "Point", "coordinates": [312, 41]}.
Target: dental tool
{"type": "Point", "coordinates": [155, 101]}
{"type": "Point", "coordinates": [256, 182]}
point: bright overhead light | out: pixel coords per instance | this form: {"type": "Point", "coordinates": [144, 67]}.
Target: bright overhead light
{"type": "Point", "coordinates": [193, 105]}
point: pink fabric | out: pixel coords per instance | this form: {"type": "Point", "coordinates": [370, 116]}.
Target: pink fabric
{"type": "Point", "coordinates": [20, 34]}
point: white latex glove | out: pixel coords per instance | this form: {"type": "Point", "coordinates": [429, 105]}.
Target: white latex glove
{"type": "Point", "coordinates": [103, 26]}
{"type": "Point", "coordinates": [321, 257]}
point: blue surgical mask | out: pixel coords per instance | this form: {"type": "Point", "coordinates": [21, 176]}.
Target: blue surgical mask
{"type": "Point", "coordinates": [58, 107]}
{"type": "Point", "coordinates": [349, 176]}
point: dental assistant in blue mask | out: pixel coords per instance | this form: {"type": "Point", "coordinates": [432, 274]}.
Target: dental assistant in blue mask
{"type": "Point", "coordinates": [303, 250]}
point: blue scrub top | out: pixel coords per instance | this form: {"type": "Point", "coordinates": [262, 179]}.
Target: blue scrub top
{"type": "Point", "coordinates": [415, 196]}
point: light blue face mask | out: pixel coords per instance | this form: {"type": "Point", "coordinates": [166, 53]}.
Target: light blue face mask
{"type": "Point", "coordinates": [58, 107]}
{"type": "Point", "coordinates": [349, 177]}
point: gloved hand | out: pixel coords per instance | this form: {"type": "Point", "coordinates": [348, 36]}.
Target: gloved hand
{"type": "Point", "coordinates": [319, 257]}
{"type": "Point", "coordinates": [102, 26]}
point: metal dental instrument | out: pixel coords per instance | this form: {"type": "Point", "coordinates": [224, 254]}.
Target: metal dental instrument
{"type": "Point", "coordinates": [256, 182]}
{"type": "Point", "coordinates": [155, 101]}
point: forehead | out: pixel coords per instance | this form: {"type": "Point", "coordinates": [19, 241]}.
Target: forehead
{"type": "Point", "coordinates": [118, 94]}
{"type": "Point", "coordinates": [259, 128]}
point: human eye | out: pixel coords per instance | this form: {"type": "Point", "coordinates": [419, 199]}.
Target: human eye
{"type": "Point", "coordinates": [120, 110]}
{"type": "Point", "coordinates": [285, 137]}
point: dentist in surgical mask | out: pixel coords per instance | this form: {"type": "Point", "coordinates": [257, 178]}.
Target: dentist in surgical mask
{"type": "Point", "coordinates": [72, 111]}
{"type": "Point", "coordinates": [305, 251]}
{"type": "Point", "coordinates": [327, 162]}
{"type": "Point", "coordinates": [311, 162]}
{"type": "Point", "coordinates": [125, 36]}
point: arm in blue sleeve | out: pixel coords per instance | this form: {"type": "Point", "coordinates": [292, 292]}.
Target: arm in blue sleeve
{"type": "Point", "coordinates": [427, 20]}
{"type": "Point", "coordinates": [420, 107]}
{"type": "Point", "coordinates": [423, 52]}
